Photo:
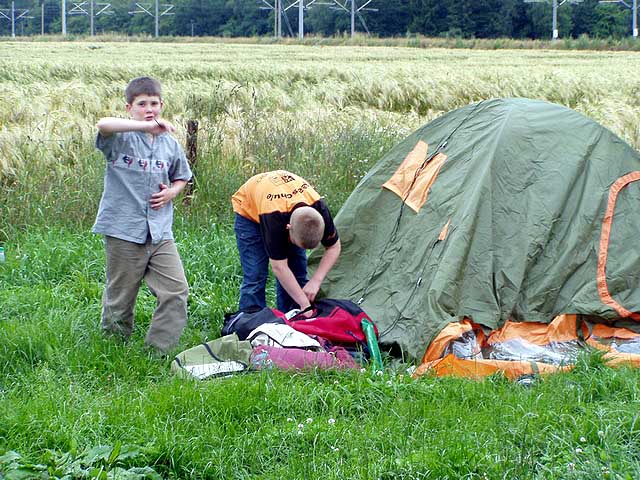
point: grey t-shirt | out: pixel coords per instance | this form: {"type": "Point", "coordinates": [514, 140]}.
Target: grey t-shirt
{"type": "Point", "coordinates": [135, 169]}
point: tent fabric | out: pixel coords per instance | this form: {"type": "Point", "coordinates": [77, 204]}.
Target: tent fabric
{"type": "Point", "coordinates": [531, 213]}
{"type": "Point", "coordinates": [561, 329]}
{"type": "Point", "coordinates": [558, 343]}
{"type": "Point", "coordinates": [413, 179]}
{"type": "Point", "coordinates": [453, 366]}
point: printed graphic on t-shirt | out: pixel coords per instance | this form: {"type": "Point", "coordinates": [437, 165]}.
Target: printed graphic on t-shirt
{"type": "Point", "coordinates": [287, 195]}
{"type": "Point", "coordinates": [280, 178]}
{"type": "Point", "coordinates": [140, 164]}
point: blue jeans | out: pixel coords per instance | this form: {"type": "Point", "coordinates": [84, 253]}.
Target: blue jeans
{"type": "Point", "coordinates": [255, 267]}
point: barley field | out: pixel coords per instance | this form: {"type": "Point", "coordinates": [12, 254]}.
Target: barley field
{"type": "Point", "coordinates": [74, 404]}
{"type": "Point", "coordinates": [327, 112]}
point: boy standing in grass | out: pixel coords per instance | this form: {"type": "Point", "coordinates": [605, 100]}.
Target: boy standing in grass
{"type": "Point", "coordinates": [146, 169]}
{"type": "Point", "coordinates": [278, 217]}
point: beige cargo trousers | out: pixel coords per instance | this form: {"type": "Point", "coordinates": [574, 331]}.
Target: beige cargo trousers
{"type": "Point", "coordinates": [159, 265]}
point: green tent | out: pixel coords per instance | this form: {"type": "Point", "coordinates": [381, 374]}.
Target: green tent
{"type": "Point", "coordinates": [504, 209]}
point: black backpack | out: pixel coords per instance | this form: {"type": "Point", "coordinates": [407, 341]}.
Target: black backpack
{"type": "Point", "coordinates": [242, 323]}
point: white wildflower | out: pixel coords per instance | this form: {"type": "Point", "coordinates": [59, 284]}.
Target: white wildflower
{"type": "Point", "coordinates": [583, 439]}
{"type": "Point", "coordinates": [331, 421]}
{"type": "Point", "coordinates": [578, 450]}
{"type": "Point", "coordinates": [309, 420]}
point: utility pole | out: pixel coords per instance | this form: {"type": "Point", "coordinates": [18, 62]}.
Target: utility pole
{"type": "Point", "coordinates": [146, 8]}
{"type": "Point", "coordinates": [301, 19]}
{"type": "Point", "coordinates": [42, 19]}
{"type": "Point", "coordinates": [353, 10]}
{"type": "Point", "coordinates": [10, 14]}
{"type": "Point", "coordinates": [79, 8]}
{"type": "Point", "coordinates": [554, 21]}
{"type": "Point", "coordinates": [353, 18]}
{"type": "Point", "coordinates": [157, 22]}
{"type": "Point", "coordinates": [276, 6]}
{"type": "Point", "coordinates": [64, 17]}
{"type": "Point", "coordinates": [554, 13]}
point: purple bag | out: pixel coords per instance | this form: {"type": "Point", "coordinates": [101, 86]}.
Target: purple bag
{"type": "Point", "coordinates": [265, 356]}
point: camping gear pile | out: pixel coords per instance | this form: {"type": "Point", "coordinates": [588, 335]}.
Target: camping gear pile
{"type": "Point", "coordinates": [502, 236]}
{"type": "Point", "coordinates": [337, 333]}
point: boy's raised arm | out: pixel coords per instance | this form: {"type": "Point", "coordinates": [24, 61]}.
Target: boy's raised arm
{"type": "Point", "coordinates": [111, 125]}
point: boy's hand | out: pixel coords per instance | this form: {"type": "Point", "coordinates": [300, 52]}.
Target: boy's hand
{"type": "Point", "coordinates": [163, 197]}
{"type": "Point", "coordinates": [311, 290]}
{"type": "Point", "coordinates": [161, 126]}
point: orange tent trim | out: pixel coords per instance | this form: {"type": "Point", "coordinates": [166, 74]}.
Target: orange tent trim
{"type": "Point", "coordinates": [603, 289]}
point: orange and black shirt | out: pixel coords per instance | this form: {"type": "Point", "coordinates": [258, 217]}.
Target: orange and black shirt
{"type": "Point", "coordinates": [269, 199]}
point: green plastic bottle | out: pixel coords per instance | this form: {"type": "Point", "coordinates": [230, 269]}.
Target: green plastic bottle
{"type": "Point", "coordinates": [372, 343]}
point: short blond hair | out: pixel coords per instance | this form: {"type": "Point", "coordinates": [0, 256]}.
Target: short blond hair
{"type": "Point", "coordinates": [306, 227]}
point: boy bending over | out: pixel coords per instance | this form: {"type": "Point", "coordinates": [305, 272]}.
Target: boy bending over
{"type": "Point", "coordinates": [278, 217]}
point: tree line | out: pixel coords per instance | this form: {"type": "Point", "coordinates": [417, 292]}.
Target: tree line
{"type": "Point", "coordinates": [391, 18]}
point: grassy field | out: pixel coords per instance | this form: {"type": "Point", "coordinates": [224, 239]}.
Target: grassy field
{"type": "Point", "coordinates": [76, 405]}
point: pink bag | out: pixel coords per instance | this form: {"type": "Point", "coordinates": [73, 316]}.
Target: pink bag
{"type": "Point", "coordinates": [339, 321]}
{"type": "Point", "coordinates": [265, 356]}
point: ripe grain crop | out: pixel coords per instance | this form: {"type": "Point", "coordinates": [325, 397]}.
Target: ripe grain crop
{"type": "Point", "coordinates": [328, 112]}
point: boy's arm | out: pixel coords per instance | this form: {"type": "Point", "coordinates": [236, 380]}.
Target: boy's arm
{"type": "Point", "coordinates": [166, 194]}
{"type": "Point", "coordinates": [288, 281]}
{"type": "Point", "coordinates": [328, 260]}
{"type": "Point", "coordinates": [110, 125]}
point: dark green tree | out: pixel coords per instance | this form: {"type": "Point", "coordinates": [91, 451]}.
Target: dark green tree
{"type": "Point", "coordinates": [428, 17]}
{"type": "Point", "coordinates": [611, 21]}
{"type": "Point", "coordinates": [584, 17]}
{"type": "Point", "coordinates": [493, 18]}
{"type": "Point", "coordinates": [392, 18]}
{"type": "Point", "coordinates": [461, 19]}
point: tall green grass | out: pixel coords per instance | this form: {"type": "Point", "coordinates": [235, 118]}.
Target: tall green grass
{"type": "Point", "coordinates": [69, 397]}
